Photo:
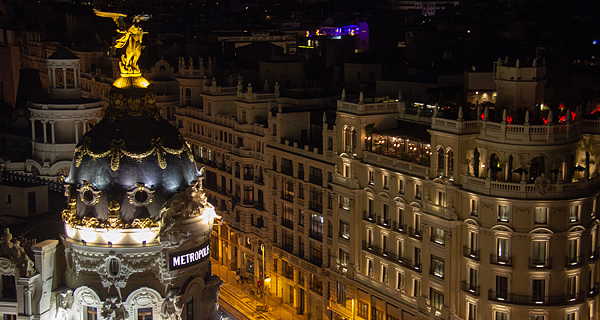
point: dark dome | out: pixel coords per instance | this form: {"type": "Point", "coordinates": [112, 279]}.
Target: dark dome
{"type": "Point", "coordinates": [132, 156]}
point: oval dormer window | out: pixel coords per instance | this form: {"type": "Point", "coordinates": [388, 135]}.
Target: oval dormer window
{"type": "Point", "coordinates": [113, 267]}
{"type": "Point", "coordinates": [140, 195]}
{"type": "Point", "coordinates": [88, 195]}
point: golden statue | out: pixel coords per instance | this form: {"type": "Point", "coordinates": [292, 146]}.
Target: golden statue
{"type": "Point", "coordinates": [132, 40]}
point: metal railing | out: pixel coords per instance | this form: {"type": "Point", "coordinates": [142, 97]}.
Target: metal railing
{"type": "Point", "coordinates": [501, 260]}
{"type": "Point", "coordinates": [399, 227]}
{"type": "Point", "coordinates": [537, 299]}
{"type": "Point", "coordinates": [471, 253]}
{"type": "Point", "coordinates": [469, 288]}
{"type": "Point", "coordinates": [315, 235]}
{"type": "Point", "coordinates": [368, 216]}
{"type": "Point", "coordinates": [287, 223]}
{"type": "Point", "coordinates": [417, 234]}
{"type": "Point", "coordinates": [574, 261]}
{"type": "Point", "coordinates": [535, 263]}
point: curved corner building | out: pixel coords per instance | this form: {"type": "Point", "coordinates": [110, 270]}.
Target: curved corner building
{"type": "Point", "coordinates": [138, 224]}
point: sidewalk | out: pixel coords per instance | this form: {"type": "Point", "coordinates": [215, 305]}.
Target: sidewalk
{"type": "Point", "coordinates": [238, 301]}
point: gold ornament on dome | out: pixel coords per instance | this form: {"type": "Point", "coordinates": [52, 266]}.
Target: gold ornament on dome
{"type": "Point", "coordinates": [117, 151]}
{"type": "Point", "coordinates": [70, 218]}
{"type": "Point", "coordinates": [131, 40]}
{"type": "Point", "coordinates": [120, 105]}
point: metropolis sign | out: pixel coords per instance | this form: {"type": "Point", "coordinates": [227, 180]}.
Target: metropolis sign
{"type": "Point", "coordinates": [190, 257]}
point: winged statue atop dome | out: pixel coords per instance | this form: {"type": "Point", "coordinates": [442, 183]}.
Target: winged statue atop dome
{"type": "Point", "coordinates": [132, 39]}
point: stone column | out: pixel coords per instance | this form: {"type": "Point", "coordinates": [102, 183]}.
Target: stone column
{"type": "Point", "coordinates": [75, 77]}
{"type": "Point", "coordinates": [77, 131]}
{"type": "Point", "coordinates": [64, 77]}
{"type": "Point", "coordinates": [49, 77]}
{"type": "Point", "coordinates": [85, 126]}
{"type": "Point", "coordinates": [32, 130]}
{"type": "Point", "coordinates": [52, 131]}
{"type": "Point", "coordinates": [45, 131]}
{"type": "Point", "coordinates": [54, 77]}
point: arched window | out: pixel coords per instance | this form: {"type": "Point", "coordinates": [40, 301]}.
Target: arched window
{"type": "Point", "coordinates": [353, 140]}
{"type": "Point", "coordinates": [494, 166]}
{"type": "Point", "coordinates": [346, 141]}
{"type": "Point", "coordinates": [536, 167]}
{"type": "Point", "coordinates": [450, 162]}
{"type": "Point", "coordinates": [440, 162]}
{"type": "Point", "coordinates": [476, 163]}
{"type": "Point", "coordinates": [188, 97]}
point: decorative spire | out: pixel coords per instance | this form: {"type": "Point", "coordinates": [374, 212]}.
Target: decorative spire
{"type": "Point", "coordinates": [527, 117]}
{"type": "Point", "coordinates": [343, 94]}
{"type": "Point", "coordinates": [550, 116]}
{"type": "Point", "coordinates": [504, 115]}
{"type": "Point", "coordinates": [276, 87]}
{"type": "Point", "coordinates": [486, 113]}
{"type": "Point", "coordinates": [250, 88]}
{"type": "Point", "coordinates": [399, 94]}
{"type": "Point", "coordinates": [435, 110]}
{"type": "Point", "coordinates": [361, 97]}
{"type": "Point", "coordinates": [266, 86]}
{"type": "Point", "coordinates": [460, 113]}
{"type": "Point", "coordinates": [518, 64]}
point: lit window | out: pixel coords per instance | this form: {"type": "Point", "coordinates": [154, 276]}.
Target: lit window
{"type": "Point", "coordinates": [574, 214]}
{"type": "Point", "coordinates": [541, 216]}
{"type": "Point", "coordinates": [401, 186]}
{"type": "Point", "coordinates": [474, 208]}
{"type": "Point", "coordinates": [437, 267]}
{"type": "Point", "coordinates": [385, 181]}
{"type": "Point", "coordinates": [400, 281]}
{"type": "Point", "coordinates": [418, 189]}
{"type": "Point", "coordinates": [371, 177]}
{"type": "Point", "coordinates": [503, 213]}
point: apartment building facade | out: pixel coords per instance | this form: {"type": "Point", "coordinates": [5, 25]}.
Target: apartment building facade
{"type": "Point", "coordinates": [380, 210]}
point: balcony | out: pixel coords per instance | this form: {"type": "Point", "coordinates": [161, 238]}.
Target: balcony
{"type": "Point", "coordinates": [315, 235]}
{"type": "Point", "coordinates": [384, 222]}
{"type": "Point", "coordinates": [414, 233]}
{"type": "Point", "coordinates": [540, 263]}
{"type": "Point", "coordinates": [222, 167]}
{"type": "Point", "coordinates": [249, 176]}
{"type": "Point", "coordinates": [259, 206]}
{"type": "Point", "coordinates": [289, 274]}
{"type": "Point", "coordinates": [471, 253]}
{"type": "Point", "coordinates": [593, 291]}
{"type": "Point", "coordinates": [436, 274]}
{"type": "Point", "coordinates": [259, 180]}
{"type": "Point", "coordinates": [287, 170]}
{"type": "Point", "coordinates": [525, 299]}
{"type": "Point", "coordinates": [288, 247]}
{"type": "Point", "coordinates": [314, 206]}
{"type": "Point", "coordinates": [501, 260]}
{"type": "Point", "coordinates": [316, 260]}
{"type": "Point", "coordinates": [594, 255]}
{"type": "Point", "coordinates": [367, 216]}
{"type": "Point", "coordinates": [287, 223]}
{"type": "Point", "coordinates": [469, 288]}
{"type": "Point", "coordinates": [574, 261]}
{"type": "Point", "coordinates": [315, 179]}
{"type": "Point", "coordinates": [391, 256]}
{"type": "Point", "coordinates": [401, 228]}
{"type": "Point", "coordinates": [437, 240]}
{"type": "Point", "coordinates": [287, 196]}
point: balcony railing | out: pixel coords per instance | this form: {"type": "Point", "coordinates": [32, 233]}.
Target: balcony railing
{"type": "Point", "coordinates": [368, 216]}
{"type": "Point", "coordinates": [594, 255]}
{"type": "Point", "coordinates": [501, 260]}
{"type": "Point", "coordinates": [469, 288]}
{"type": "Point", "coordinates": [471, 253]}
{"type": "Point", "coordinates": [316, 260]}
{"type": "Point", "coordinates": [593, 291]}
{"type": "Point", "coordinates": [259, 206]}
{"type": "Point", "coordinates": [384, 222]}
{"type": "Point", "coordinates": [391, 256]}
{"type": "Point", "coordinates": [315, 179]}
{"type": "Point", "coordinates": [248, 176]}
{"type": "Point", "coordinates": [314, 206]}
{"type": "Point", "coordinates": [287, 196]}
{"type": "Point", "coordinates": [574, 261]}
{"type": "Point", "coordinates": [399, 227]}
{"type": "Point", "coordinates": [438, 240]}
{"type": "Point", "coordinates": [417, 234]}
{"type": "Point", "coordinates": [289, 274]}
{"type": "Point", "coordinates": [259, 180]}
{"type": "Point", "coordinates": [554, 300]}
{"type": "Point", "coordinates": [540, 263]}
{"type": "Point", "coordinates": [288, 247]}
{"type": "Point", "coordinates": [287, 223]}
{"type": "Point", "coordinates": [287, 170]}
{"type": "Point", "coordinates": [315, 235]}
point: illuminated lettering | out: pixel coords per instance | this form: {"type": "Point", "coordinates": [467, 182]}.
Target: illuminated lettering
{"type": "Point", "coordinates": [189, 257]}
